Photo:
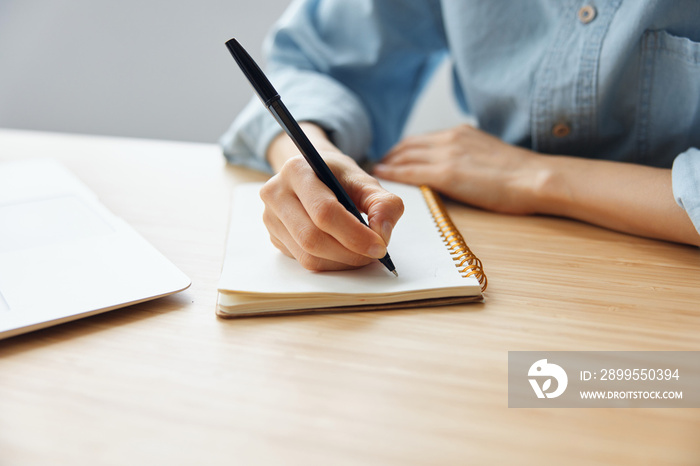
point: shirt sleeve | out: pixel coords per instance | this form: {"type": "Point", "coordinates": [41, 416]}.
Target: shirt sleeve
{"type": "Point", "coordinates": [686, 184]}
{"type": "Point", "coordinates": [354, 68]}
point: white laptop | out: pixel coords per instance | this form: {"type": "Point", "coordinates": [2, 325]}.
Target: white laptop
{"type": "Point", "coordinates": [64, 256]}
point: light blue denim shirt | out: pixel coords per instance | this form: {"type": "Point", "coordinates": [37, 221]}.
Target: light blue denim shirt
{"type": "Point", "coordinates": [603, 79]}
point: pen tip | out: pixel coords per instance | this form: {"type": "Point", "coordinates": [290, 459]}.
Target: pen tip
{"type": "Point", "coordinates": [395, 272]}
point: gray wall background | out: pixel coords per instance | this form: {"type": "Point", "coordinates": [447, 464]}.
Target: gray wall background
{"type": "Point", "coordinates": [153, 69]}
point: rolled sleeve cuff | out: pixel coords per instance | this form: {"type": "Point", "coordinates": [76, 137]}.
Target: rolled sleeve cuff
{"type": "Point", "coordinates": [686, 184]}
{"type": "Point", "coordinates": [246, 141]}
{"type": "Point", "coordinates": [309, 97]}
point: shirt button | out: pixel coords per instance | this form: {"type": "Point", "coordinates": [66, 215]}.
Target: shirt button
{"type": "Point", "coordinates": [586, 14]}
{"type": "Point", "coordinates": [561, 130]}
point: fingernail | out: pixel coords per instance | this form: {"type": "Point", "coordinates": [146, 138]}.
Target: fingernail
{"type": "Point", "coordinates": [387, 228]}
{"type": "Point", "coordinates": [377, 251]}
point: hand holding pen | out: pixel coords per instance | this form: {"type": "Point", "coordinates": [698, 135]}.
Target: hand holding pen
{"type": "Point", "coordinates": [310, 215]}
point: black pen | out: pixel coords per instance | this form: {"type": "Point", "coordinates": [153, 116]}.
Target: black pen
{"type": "Point", "coordinates": [271, 99]}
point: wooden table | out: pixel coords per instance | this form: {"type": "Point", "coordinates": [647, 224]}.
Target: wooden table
{"type": "Point", "coordinates": [167, 382]}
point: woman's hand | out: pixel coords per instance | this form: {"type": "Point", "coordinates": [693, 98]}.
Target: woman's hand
{"type": "Point", "coordinates": [307, 222]}
{"type": "Point", "coordinates": [479, 169]}
{"type": "Point", "coordinates": [471, 166]}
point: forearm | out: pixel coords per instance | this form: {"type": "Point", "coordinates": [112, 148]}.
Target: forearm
{"type": "Point", "coordinates": [630, 198]}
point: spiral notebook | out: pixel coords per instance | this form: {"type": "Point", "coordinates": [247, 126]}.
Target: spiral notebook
{"type": "Point", "coordinates": [435, 265]}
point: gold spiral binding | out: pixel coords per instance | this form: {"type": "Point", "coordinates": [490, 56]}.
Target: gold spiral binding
{"type": "Point", "coordinates": [465, 260]}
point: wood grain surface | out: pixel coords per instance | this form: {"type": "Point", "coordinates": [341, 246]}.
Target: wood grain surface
{"type": "Point", "coordinates": [167, 382]}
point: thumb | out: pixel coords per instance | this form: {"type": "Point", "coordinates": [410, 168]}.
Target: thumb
{"type": "Point", "coordinates": [384, 209]}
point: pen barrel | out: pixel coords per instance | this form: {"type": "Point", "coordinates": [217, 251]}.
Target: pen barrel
{"type": "Point", "coordinates": [307, 149]}
{"type": "Point", "coordinates": [271, 100]}
{"type": "Point", "coordinates": [319, 166]}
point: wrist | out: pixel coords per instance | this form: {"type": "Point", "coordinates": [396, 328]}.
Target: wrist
{"type": "Point", "coordinates": [550, 190]}
{"type": "Point", "coordinates": [282, 148]}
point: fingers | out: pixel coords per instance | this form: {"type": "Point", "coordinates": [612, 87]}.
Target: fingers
{"type": "Point", "coordinates": [326, 214]}
{"type": "Point", "coordinates": [413, 161]}
{"type": "Point", "coordinates": [416, 174]}
{"type": "Point", "coordinates": [384, 209]}
{"type": "Point", "coordinates": [424, 149]}
{"type": "Point", "coordinates": [435, 140]}
{"type": "Point", "coordinates": [426, 158]}
{"type": "Point", "coordinates": [305, 251]}
{"type": "Point", "coordinates": [306, 221]}
{"type": "Point", "coordinates": [414, 155]}
{"type": "Point", "coordinates": [412, 145]}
